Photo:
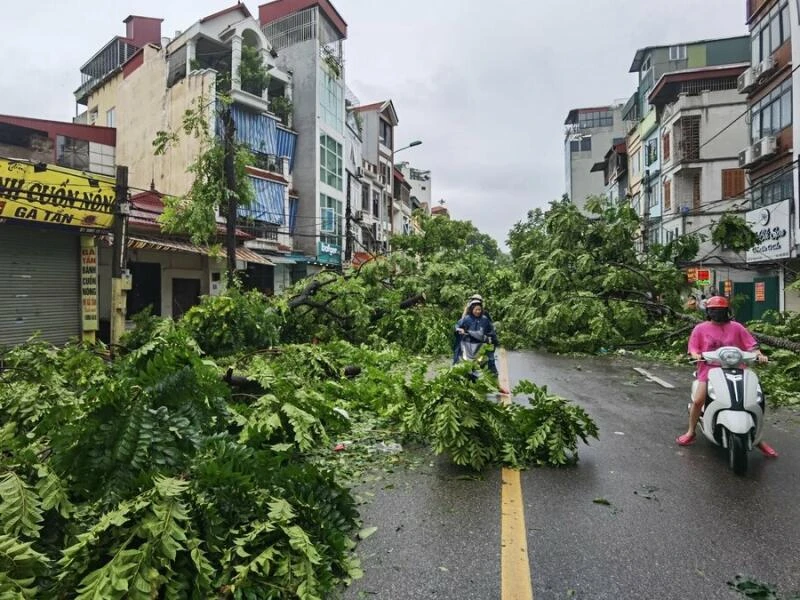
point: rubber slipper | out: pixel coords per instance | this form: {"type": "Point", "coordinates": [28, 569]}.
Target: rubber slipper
{"type": "Point", "coordinates": [767, 450]}
{"type": "Point", "coordinates": [686, 439]}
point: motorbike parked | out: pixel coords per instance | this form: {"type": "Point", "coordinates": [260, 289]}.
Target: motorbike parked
{"type": "Point", "coordinates": [733, 413]}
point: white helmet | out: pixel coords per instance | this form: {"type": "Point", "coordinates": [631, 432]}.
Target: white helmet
{"type": "Point", "coordinates": [477, 297]}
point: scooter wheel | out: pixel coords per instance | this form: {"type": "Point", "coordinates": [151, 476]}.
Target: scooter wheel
{"type": "Point", "coordinates": [737, 453]}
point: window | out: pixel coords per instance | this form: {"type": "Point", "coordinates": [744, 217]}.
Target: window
{"type": "Point", "coordinates": [376, 204]}
{"type": "Point", "coordinates": [732, 183]}
{"type": "Point", "coordinates": [111, 118]}
{"type": "Point", "coordinates": [677, 53]}
{"type": "Point", "coordinates": [772, 113]}
{"type": "Point", "coordinates": [330, 161]}
{"type": "Point", "coordinates": [385, 133]}
{"type": "Point", "coordinates": [92, 120]}
{"type": "Point", "coordinates": [667, 195]}
{"type": "Point", "coordinates": [331, 101]}
{"type": "Point", "coordinates": [595, 118]}
{"type": "Point", "coordinates": [72, 153]}
{"type": "Point", "coordinates": [330, 213]}
{"type": "Point", "coordinates": [651, 152]}
{"type": "Point", "coordinates": [771, 33]}
{"type": "Point", "coordinates": [574, 146]}
{"type": "Point", "coordinates": [586, 144]}
{"type": "Point", "coordinates": [696, 191]}
{"type": "Point", "coordinates": [666, 147]}
{"type": "Point", "coordinates": [772, 189]}
{"type": "Point", "coordinates": [365, 198]}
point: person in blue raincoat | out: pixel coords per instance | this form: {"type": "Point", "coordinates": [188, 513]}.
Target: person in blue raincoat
{"type": "Point", "coordinates": [476, 320]}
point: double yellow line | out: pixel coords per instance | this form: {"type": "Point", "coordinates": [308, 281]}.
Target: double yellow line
{"type": "Point", "coordinates": [515, 571]}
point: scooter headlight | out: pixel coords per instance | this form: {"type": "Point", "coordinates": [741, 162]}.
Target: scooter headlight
{"type": "Point", "coordinates": [730, 358]}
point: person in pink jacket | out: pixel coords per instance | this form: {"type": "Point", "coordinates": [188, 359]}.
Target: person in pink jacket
{"type": "Point", "coordinates": [718, 331]}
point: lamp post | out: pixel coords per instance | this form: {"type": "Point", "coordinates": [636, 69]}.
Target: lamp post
{"type": "Point", "coordinates": [411, 145]}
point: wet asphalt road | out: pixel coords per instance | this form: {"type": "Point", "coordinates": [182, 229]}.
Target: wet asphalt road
{"type": "Point", "coordinates": [678, 525]}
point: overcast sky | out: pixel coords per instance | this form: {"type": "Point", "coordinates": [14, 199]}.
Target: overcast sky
{"type": "Point", "coordinates": [485, 84]}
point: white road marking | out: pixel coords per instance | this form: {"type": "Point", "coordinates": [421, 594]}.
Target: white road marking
{"type": "Point", "coordinates": [654, 379]}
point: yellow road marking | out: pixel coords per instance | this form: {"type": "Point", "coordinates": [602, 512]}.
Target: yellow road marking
{"type": "Point", "coordinates": [515, 571]}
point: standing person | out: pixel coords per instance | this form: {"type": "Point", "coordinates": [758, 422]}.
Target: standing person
{"type": "Point", "coordinates": [708, 336]}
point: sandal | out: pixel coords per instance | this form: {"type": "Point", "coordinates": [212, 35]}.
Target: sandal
{"type": "Point", "coordinates": [767, 450]}
{"type": "Point", "coordinates": [686, 439]}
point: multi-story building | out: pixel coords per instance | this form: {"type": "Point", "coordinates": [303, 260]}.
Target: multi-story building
{"type": "Point", "coordinates": [378, 122]}
{"type": "Point", "coordinates": [144, 83]}
{"type": "Point", "coordinates": [769, 155]}
{"type": "Point", "coordinates": [403, 205]}
{"type": "Point", "coordinates": [56, 202]}
{"type": "Point", "coordinates": [420, 181]}
{"type": "Point", "coordinates": [355, 207]}
{"type": "Point", "coordinates": [308, 36]}
{"type": "Point", "coordinates": [614, 168]}
{"type": "Point", "coordinates": [588, 135]}
{"type": "Point", "coordinates": [641, 123]}
{"type": "Point", "coordinates": [699, 177]}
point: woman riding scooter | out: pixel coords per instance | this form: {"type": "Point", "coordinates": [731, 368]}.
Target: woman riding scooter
{"type": "Point", "coordinates": [718, 331]}
{"type": "Point", "coordinates": [476, 321]}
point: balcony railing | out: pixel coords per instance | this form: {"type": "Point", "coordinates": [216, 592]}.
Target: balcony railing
{"type": "Point", "coordinates": [110, 58]}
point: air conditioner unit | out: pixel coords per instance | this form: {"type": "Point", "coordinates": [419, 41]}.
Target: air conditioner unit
{"type": "Point", "coordinates": [767, 145]}
{"type": "Point", "coordinates": [746, 157]}
{"type": "Point", "coordinates": [766, 66]}
{"type": "Point", "coordinates": [358, 215]}
{"type": "Point", "coordinates": [746, 80]}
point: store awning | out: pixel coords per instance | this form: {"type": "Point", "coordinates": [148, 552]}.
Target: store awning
{"type": "Point", "coordinates": [282, 260]}
{"type": "Point", "coordinates": [138, 242]}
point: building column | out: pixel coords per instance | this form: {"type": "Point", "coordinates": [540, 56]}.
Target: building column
{"type": "Point", "coordinates": [236, 61]}
{"type": "Point", "coordinates": [191, 53]}
{"type": "Point", "coordinates": [265, 56]}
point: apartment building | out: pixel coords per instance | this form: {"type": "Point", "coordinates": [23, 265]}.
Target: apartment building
{"type": "Point", "coordinates": [769, 155]}
{"type": "Point", "coordinates": [588, 134]}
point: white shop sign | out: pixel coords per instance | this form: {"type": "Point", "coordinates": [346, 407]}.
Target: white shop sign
{"type": "Point", "coordinates": [772, 225]}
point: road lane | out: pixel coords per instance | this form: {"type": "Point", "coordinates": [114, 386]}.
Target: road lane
{"type": "Point", "coordinates": [679, 524]}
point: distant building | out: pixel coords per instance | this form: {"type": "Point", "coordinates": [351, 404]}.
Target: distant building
{"type": "Point", "coordinates": [589, 133]}
{"type": "Point", "coordinates": [421, 185]}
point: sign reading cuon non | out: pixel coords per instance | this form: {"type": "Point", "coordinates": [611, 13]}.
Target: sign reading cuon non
{"type": "Point", "coordinates": [55, 195]}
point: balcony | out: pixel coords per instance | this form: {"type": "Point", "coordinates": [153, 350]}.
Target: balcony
{"type": "Point", "coordinates": [107, 60]}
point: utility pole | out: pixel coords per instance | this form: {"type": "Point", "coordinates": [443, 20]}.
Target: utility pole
{"type": "Point", "coordinates": [646, 213]}
{"type": "Point", "coordinates": [119, 284]}
{"type": "Point", "coordinates": [230, 188]}
{"type": "Point", "coordinates": [348, 217]}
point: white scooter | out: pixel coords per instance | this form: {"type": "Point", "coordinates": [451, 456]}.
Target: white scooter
{"type": "Point", "coordinates": [733, 414]}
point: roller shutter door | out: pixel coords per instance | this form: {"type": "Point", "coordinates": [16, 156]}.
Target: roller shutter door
{"type": "Point", "coordinates": [39, 285]}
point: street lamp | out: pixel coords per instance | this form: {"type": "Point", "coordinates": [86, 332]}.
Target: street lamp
{"type": "Point", "coordinates": [411, 145]}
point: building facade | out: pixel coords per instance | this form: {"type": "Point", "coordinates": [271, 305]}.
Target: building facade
{"type": "Point", "coordinates": [769, 155]}
{"type": "Point", "coordinates": [589, 133]}
{"type": "Point", "coordinates": [700, 179]}
{"type": "Point", "coordinates": [56, 202]}
{"type": "Point", "coordinates": [150, 87]}
{"type": "Point", "coordinates": [308, 36]}
{"type": "Point", "coordinates": [421, 185]}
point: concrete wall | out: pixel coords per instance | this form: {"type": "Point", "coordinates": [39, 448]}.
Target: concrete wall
{"type": "Point", "coordinates": [302, 59]}
{"type": "Point", "coordinates": [144, 106]}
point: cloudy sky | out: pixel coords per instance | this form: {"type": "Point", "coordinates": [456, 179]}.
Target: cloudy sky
{"type": "Point", "coordinates": [485, 85]}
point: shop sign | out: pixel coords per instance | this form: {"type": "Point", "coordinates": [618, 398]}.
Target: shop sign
{"type": "Point", "coordinates": [328, 253]}
{"type": "Point", "coordinates": [772, 226]}
{"type": "Point", "coordinates": [727, 287]}
{"type": "Point", "coordinates": [89, 317]}
{"type": "Point", "coordinates": [55, 195]}
{"type": "Point", "coordinates": [761, 291]}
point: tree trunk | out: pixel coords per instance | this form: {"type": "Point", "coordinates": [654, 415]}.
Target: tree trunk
{"type": "Point", "coordinates": [231, 203]}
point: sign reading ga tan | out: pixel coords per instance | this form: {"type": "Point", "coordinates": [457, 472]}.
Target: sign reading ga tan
{"type": "Point", "coordinates": [55, 195]}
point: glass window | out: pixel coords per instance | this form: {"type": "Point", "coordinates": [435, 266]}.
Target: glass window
{"type": "Point", "coordinates": [111, 118]}
{"type": "Point", "coordinates": [330, 214]}
{"type": "Point", "coordinates": [786, 109]}
{"type": "Point", "coordinates": [330, 161]}
{"type": "Point", "coordinates": [331, 101]}
{"type": "Point", "coordinates": [775, 33]}
{"type": "Point", "coordinates": [574, 146]}
{"type": "Point", "coordinates": [72, 153]}
{"type": "Point", "coordinates": [586, 144]}
{"type": "Point", "coordinates": [755, 47]}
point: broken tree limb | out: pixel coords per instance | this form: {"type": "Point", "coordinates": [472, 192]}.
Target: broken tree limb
{"type": "Point", "coordinates": [413, 300]}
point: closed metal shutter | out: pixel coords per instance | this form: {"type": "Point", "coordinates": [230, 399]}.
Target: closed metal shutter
{"type": "Point", "coordinates": [39, 284]}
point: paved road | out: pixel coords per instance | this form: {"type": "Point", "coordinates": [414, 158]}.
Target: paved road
{"type": "Point", "coordinates": [679, 524]}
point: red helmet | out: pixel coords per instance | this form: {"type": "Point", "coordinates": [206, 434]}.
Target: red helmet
{"type": "Point", "coordinates": [717, 302]}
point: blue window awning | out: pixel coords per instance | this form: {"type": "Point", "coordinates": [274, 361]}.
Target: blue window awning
{"type": "Point", "coordinates": [269, 202]}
